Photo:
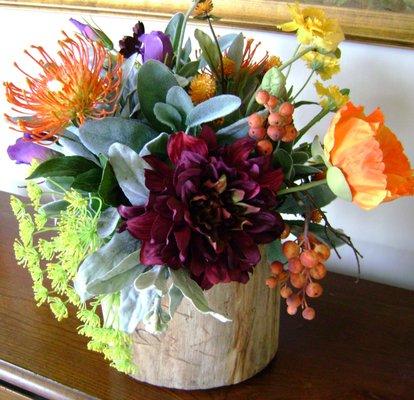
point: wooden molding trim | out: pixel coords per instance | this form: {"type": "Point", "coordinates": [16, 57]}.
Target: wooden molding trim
{"type": "Point", "coordinates": [365, 25]}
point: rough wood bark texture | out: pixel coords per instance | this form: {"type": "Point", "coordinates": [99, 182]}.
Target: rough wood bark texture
{"type": "Point", "coordinates": [199, 352]}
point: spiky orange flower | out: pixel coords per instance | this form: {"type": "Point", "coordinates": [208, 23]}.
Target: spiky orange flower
{"type": "Point", "coordinates": [249, 64]}
{"type": "Point", "coordinates": [202, 87]}
{"type": "Point", "coordinates": [83, 82]}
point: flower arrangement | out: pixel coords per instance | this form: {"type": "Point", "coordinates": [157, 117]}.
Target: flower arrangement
{"type": "Point", "coordinates": [158, 173]}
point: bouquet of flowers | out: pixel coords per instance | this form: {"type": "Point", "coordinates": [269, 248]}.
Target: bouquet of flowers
{"type": "Point", "coordinates": [158, 172]}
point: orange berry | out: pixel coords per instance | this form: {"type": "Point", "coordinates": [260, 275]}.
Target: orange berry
{"type": "Point", "coordinates": [290, 135]}
{"type": "Point", "coordinates": [291, 310]}
{"type": "Point", "coordinates": [286, 232]}
{"type": "Point", "coordinates": [264, 147]}
{"type": "Point", "coordinates": [271, 282]}
{"type": "Point", "coordinates": [275, 119]}
{"type": "Point", "coordinates": [275, 133]}
{"type": "Point", "coordinates": [290, 249]}
{"type": "Point", "coordinates": [308, 313]}
{"type": "Point", "coordinates": [255, 121]}
{"type": "Point", "coordinates": [319, 272]}
{"type": "Point", "coordinates": [285, 292]}
{"type": "Point", "coordinates": [272, 102]}
{"type": "Point", "coordinates": [295, 265]}
{"type": "Point", "coordinates": [322, 251]}
{"type": "Point", "coordinates": [276, 267]}
{"type": "Point", "coordinates": [257, 133]}
{"type": "Point", "coordinates": [288, 120]}
{"type": "Point", "coordinates": [262, 97]}
{"type": "Point", "coordinates": [293, 300]}
{"type": "Point", "coordinates": [298, 280]}
{"type": "Point", "coordinates": [314, 289]}
{"type": "Point", "coordinates": [286, 109]}
{"type": "Point", "coordinates": [309, 259]}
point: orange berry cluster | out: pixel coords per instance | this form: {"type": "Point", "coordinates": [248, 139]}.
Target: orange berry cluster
{"type": "Point", "coordinates": [277, 126]}
{"type": "Point", "coordinates": [305, 265]}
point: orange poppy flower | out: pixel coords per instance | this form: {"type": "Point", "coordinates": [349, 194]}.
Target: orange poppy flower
{"type": "Point", "coordinates": [84, 82]}
{"type": "Point", "coordinates": [370, 156]}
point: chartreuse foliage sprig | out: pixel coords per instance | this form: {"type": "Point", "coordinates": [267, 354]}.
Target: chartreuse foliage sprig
{"type": "Point", "coordinates": [53, 263]}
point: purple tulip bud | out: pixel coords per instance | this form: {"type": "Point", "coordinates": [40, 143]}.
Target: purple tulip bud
{"type": "Point", "coordinates": [24, 152]}
{"type": "Point", "coordinates": [85, 29]}
{"type": "Point", "coordinates": [157, 46]}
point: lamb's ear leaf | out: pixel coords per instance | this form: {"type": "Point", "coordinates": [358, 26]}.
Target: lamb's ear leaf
{"type": "Point", "coordinates": [192, 291]}
{"type": "Point", "coordinates": [98, 135]}
{"type": "Point", "coordinates": [129, 169]}
{"type": "Point", "coordinates": [338, 183]}
{"type": "Point", "coordinates": [212, 109]}
{"type": "Point", "coordinates": [154, 81]}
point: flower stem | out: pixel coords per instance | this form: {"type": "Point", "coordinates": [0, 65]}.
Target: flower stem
{"type": "Point", "coordinates": [296, 57]}
{"type": "Point", "coordinates": [304, 85]}
{"type": "Point", "coordinates": [312, 122]}
{"type": "Point", "coordinates": [182, 34]}
{"type": "Point", "coordinates": [301, 188]}
{"type": "Point", "coordinates": [223, 83]}
{"type": "Point", "coordinates": [290, 66]}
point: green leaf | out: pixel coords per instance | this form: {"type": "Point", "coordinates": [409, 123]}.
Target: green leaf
{"type": "Point", "coordinates": [338, 183]}
{"type": "Point", "coordinates": [305, 170]}
{"type": "Point", "coordinates": [318, 152]}
{"type": "Point", "coordinates": [104, 271]}
{"type": "Point", "coordinates": [284, 160]}
{"type": "Point", "coordinates": [174, 28]}
{"type": "Point", "coordinates": [274, 251]}
{"type": "Point", "coordinates": [154, 81]}
{"type": "Point", "coordinates": [212, 109]}
{"type": "Point", "coordinates": [209, 50]}
{"type": "Point", "coordinates": [224, 42]}
{"type": "Point", "coordinates": [176, 297]}
{"type": "Point", "coordinates": [108, 189]}
{"type": "Point", "coordinates": [68, 166]}
{"type": "Point", "coordinates": [179, 98]}
{"type": "Point", "coordinates": [322, 195]}
{"type": "Point", "coordinates": [99, 135]}
{"type": "Point", "coordinates": [300, 157]}
{"type": "Point", "coordinates": [54, 208]}
{"type": "Point", "coordinates": [129, 169]}
{"type": "Point", "coordinates": [236, 51]}
{"type": "Point", "coordinates": [169, 116]}
{"type": "Point", "coordinates": [189, 69]}
{"type": "Point", "coordinates": [108, 221]}
{"type": "Point", "coordinates": [88, 181]}
{"type": "Point", "coordinates": [154, 278]}
{"type": "Point", "coordinates": [71, 142]}
{"type": "Point", "coordinates": [192, 291]}
{"type": "Point", "coordinates": [157, 146]}
{"type": "Point", "coordinates": [274, 82]}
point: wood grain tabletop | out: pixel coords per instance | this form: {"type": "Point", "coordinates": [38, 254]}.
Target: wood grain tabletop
{"type": "Point", "coordinates": [360, 347]}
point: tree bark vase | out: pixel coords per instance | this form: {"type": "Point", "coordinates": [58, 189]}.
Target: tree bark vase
{"type": "Point", "coordinates": [199, 352]}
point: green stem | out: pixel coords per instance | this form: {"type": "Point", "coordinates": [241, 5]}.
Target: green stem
{"type": "Point", "coordinates": [296, 57]}
{"type": "Point", "coordinates": [182, 34]}
{"type": "Point", "coordinates": [311, 123]}
{"type": "Point", "coordinates": [301, 188]}
{"type": "Point", "coordinates": [294, 54]}
{"type": "Point", "coordinates": [223, 88]}
{"type": "Point", "coordinates": [304, 85]}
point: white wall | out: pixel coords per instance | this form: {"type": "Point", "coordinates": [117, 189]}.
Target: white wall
{"type": "Point", "coordinates": [376, 75]}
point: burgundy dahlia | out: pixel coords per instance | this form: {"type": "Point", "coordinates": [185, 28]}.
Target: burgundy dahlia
{"type": "Point", "coordinates": [208, 210]}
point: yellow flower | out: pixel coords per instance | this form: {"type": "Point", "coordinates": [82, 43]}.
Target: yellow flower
{"type": "Point", "coordinates": [229, 66]}
{"type": "Point", "coordinates": [204, 8]}
{"type": "Point", "coordinates": [272, 61]}
{"type": "Point", "coordinates": [313, 28]}
{"type": "Point", "coordinates": [202, 87]}
{"type": "Point", "coordinates": [324, 65]}
{"type": "Point", "coordinates": [331, 96]}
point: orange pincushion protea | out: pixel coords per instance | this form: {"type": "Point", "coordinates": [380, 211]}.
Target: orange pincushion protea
{"type": "Point", "coordinates": [248, 62]}
{"type": "Point", "coordinates": [83, 83]}
{"type": "Point", "coordinates": [370, 156]}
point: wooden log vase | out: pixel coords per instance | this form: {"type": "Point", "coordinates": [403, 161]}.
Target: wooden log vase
{"type": "Point", "coordinates": [199, 352]}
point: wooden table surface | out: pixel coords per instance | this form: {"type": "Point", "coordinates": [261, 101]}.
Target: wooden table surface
{"type": "Point", "coordinates": [360, 347]}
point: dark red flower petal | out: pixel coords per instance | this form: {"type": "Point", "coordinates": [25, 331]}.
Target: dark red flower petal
{"type": "Point", "coordinates": [179, 142]}
{"type": "Point", "coordinates": [140, 227]}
